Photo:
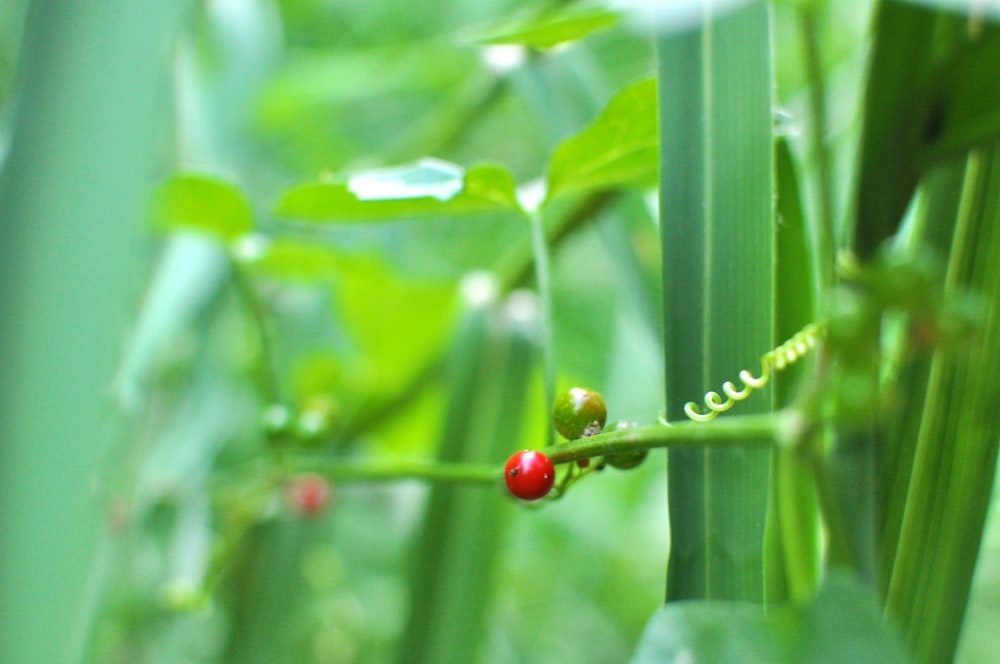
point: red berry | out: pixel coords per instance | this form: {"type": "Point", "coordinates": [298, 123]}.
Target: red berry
{"type": "Point", "coordinates": [309, 493]}
{"type": "Point", "coordinates": [529, 474]}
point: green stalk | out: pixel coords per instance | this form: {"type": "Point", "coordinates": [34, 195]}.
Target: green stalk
{"type": "Point", "coordinates": [824, 233]}
{"type": "Point", "coordinates": [81, 157]}
{"type": "Point", "coordinates": [540, 252]}
{"type": "Point", "coordinates": [895, 118]}
{"type": "Point", "coordinates": [462, 525]}
{"type": "Point", "coordinates": [717, 232]}
{"type": "Point", "coordinates": [791, 536]}
{"type": "Point", "coordinates": [956, 451]}
{"type": "Point", "coordinates": [935, 221]}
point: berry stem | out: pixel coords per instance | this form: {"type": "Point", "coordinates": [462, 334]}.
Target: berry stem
{"type": "Point", "coordinates": [757, 430]}
{"type": "Point", "coordinates": [745, 430]}
{"type": "Point", "coordinates": [389, 470]}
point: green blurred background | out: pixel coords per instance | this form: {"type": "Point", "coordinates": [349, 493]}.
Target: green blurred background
{"type": "Point", "coordinates": [132, 381]}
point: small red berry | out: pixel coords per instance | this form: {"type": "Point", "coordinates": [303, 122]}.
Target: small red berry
{"type": "Point", "coordinates": [529, 474]}
{"type": "Point", "coordinates": [309, 493]}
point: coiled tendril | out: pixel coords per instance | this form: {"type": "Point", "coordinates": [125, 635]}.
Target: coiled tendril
{"type": "Point", "coordinates": [779, 358]}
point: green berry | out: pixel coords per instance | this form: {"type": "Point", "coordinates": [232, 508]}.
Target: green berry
{"type": "Point", "coordinates": [625, 460]}
{"type": "Point", "coordinates": [317, 417]}
{"type": "Point", "coordinates": [579, 412]}
{"type": "Point", "coordinates": [276, 421]}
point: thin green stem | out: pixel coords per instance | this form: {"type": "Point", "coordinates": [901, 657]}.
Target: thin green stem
{"type": "Point", "coordinates": [762, 430]}
{"type": "Point", "coordinates": [514, 274]}
{"type": "Point", "coordinates": [541, 255]}
{"type": "Point", "coordinates": [373, 470]}
{"type": "Point", "coordinates": [267, 380]}
{"type": "Point", "coordinates": [519, 272]}
{"type": "Point", "coordinates": [368, 470]}
{"type": "Point", "coordinates": [825, 244]}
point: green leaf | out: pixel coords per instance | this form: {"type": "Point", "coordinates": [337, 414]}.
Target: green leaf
{"type": "Point", "coordinates": [955, 455]}
{"type": "Point", "coordinates": [381, 308]}
{"type": "Point", "coordinates": [547, 28]}
{"type": "Point", "coordinates": [842, 624]}
{"type": "Point", "coordinates": [717, 228]}
{"type": "Point", "coordinates": [966, 98]}
{"type": "Point", "coordinates": [621, 147]}
{"type": "Point", "coordinates": [202, 203]}
{"type": "Point", "coordinates": [429, 187]}
{"type": "Point", "coordinates": [375, 304]}
{"type": "Point", "coordinates": [289, 260]}
{"type": "Point", "coordinates": [898, 117]}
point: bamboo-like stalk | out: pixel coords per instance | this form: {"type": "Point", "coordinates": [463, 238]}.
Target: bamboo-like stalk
{"type": "Point", "coordinates": [81, 158]}
{"type": "Point", "coordinates": [791, 544]}
{"type": "Point", "coordinates": [717, 234]}
{"type": "Point", "coordinates": [956, 451]}
{"type": "Point", "coordinates": [463, 525]}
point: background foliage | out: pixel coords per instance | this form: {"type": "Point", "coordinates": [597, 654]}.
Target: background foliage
{"type": "Point", "coordinates": [281, 321]}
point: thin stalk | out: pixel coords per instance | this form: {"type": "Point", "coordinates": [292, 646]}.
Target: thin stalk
{"type": "Point", "coordinates": [824, 232]}
{"type": "Point", "coordinates": [541, 254]}
{"type": "Point", "coordinates": [518, 271]}
{"type": "Point", "coordinates": [267, 378]}
{"type": "Point", "coordinates": [956, 452]}
{"type": "Point", "coordinates": [792, 558]}
{"type": "Point", "coordinates": [394, 470]}
{"type": "Point", "coordinates": [745, 431]}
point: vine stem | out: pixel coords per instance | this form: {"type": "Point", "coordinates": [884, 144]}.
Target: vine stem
{"type": "Point", "coordinates": [541, 253]}
{"type": "Point", "coordinates": [762, 430]}
{"type": "Point", "coordinates": [367, 470]}
{"type": "Point", "coordinates": [267, 379]}
{"type": "Point", "coordinates": [826, 244]}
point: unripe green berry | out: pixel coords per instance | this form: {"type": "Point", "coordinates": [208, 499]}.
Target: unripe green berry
{"type": "Point", "coordinates": [276, 422]}
{"type": "Point", "coordinates": [318, 415]}
{"type": "Point", "coordinates": [625, 460]}
{"type": "Point", "coordinates": [579, 412]}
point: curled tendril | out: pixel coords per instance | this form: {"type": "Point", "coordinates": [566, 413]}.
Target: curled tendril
{"type": "Point", "coordinates": [775, 360]}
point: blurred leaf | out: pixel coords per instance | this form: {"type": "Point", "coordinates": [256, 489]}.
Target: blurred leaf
{"type": "Point", "coordinates": [203, 203]}
{"type": "Point", "coordinates": [620, 147]}
{"type": "Point", "coordinates": [428, 187]}
{"type": "Point", "coordinates": [396, 321]}
{"type": "Point", "coordinates": [322, 110]}
{"type": "Point", "coordinates": [548, 28]}
{"type": "Point", "coordinates": [318, 372]}
{"type": "Point", "coordinates": [955, 454]}
{"type": "Point", "coordinates": [965, 101]}
{"type": "Point", "coordinates": [896, 117]}
{"type": "Point", "coordinates": [382, 309]}
{"type": "Point", "coordinates": [842, 624]}
{"type": "Point", "coordinates": [287, 259]}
